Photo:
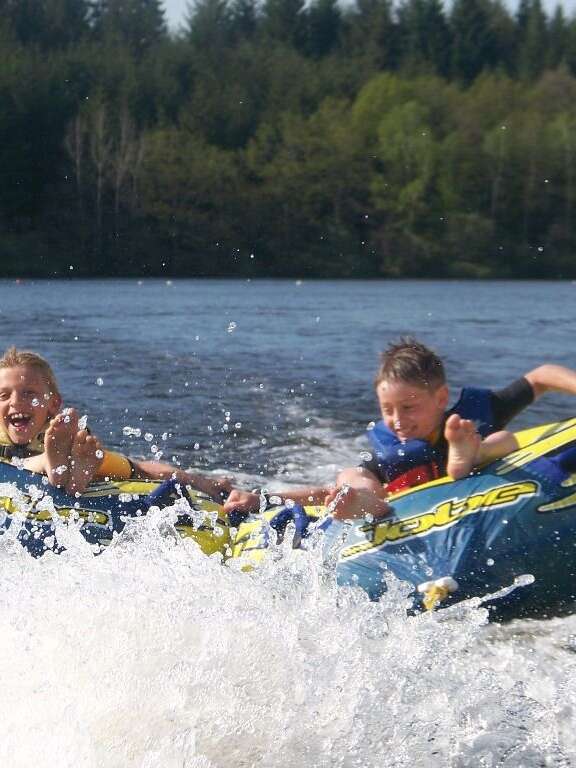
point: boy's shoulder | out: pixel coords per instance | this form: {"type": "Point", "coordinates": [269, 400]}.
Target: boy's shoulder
{"type": "Point", "coordinates": [475, 404]}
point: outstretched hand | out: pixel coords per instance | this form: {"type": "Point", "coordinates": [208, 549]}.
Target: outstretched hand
{"type": "Point", "coordinates": [242, 501]}
{"type": "Point", "coordinates": [216, 487]}
{"type": "Point", "coordinates": [347, 503]}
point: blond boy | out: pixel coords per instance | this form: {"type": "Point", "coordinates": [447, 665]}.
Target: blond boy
{"type": "Point", "coordinates": [35, 429]}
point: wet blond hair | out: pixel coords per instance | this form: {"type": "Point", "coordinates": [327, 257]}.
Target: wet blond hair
{"type": "Point", "coordinates": [14, 358]}
{"type": "Point", "coordinates": [408, 361]}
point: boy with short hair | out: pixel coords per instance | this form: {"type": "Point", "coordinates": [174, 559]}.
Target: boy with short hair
{"type": "Point", "coordinates": [417, 439]}
{"type": "Point", "coordinates": [34, 429]}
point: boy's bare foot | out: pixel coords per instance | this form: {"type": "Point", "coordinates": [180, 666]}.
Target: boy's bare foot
{"type": "Point", "coordinates": [58, 446]}
{"type": "Point", "coordinates": [463, 446]}
{"type": "Point", "coordinates": [86, 457]}
{"type": "Point", "coordinates": [352, 503]}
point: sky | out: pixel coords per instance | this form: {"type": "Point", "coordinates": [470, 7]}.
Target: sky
{"type": "Point", "coordinates": [176, 9]}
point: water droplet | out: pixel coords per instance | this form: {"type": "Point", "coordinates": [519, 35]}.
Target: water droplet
{"type": "Point", "coordinates": [196, 446]}
{"type": "Point", "coordinates": [131, 431]}
{"type": "Point", "coordinates": [231, 327]}
{"type": "Point", "coordinates": [148, 437]}
{"type": "Point", "coordinates": [490, 561]}
{"type": "Point", "coordinates": [35, 402]}
{"type": "Point", "coordinates": [238, 425]}
{"type": "Point", "coordinates": [61, 469]}
{"type": "Point", "coordinates": [99, 453]}
{"type": "Point", "coordinates": [82, 422]}
{"type": "Point", "coordinates": [100, 381]}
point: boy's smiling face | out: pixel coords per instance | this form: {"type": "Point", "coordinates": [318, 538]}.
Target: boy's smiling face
{"type": "Point", "coordinates": [26, 403]}
{"type": "Point", "coordinates": [412, 412]}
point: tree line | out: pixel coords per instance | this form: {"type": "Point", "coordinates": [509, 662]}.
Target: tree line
{"type": "Point", "coordinates": [285, 138]}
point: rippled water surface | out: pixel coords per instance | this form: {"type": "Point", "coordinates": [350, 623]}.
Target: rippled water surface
{"type": "Point", "coordinates": [153, 654]}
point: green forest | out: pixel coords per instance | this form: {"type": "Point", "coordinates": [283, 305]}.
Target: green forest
{"type": "Point", "coordinates": [286, 138]}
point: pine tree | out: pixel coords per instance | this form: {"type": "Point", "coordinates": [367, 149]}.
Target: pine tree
{"type": "Point", "coordinates": [557, 39]}
{"type": "Point", "coordinates": [324, 27]}
{"type": "Point", "coordinates": [532, 40]}
{"type": "Point", "coordinates": [372, 33]}
{"type": "Point", "coordinates": [209, 26]}
{"type": "Point", "coordinates": [243, 19]}
{"type": "Point", "coordinates": [285, 21]}
{"type": "Point", "coordinates": [140, 24]}
{"type": "Point", "coordinates": [425, 36]}
{"type": "Point", "coordinates": [49, 24]}
{"type": "Point", "coordinates": [474, 42]}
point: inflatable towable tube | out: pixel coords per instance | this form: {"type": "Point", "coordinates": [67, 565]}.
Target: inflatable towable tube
{"type": "Point", "coordinates": [449, 540]}
{"type": "Point", "coordinates": [102, 511]}
{"type": "Point", "coordinates": [454, 540]}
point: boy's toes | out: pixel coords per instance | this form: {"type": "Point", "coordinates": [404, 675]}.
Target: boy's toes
{"type": "Point", "coordinates": [452, 427]}
{"type": "Point", "coordinates": [81, 437]}
{"type": "Point", "coordinates": [94, 448]}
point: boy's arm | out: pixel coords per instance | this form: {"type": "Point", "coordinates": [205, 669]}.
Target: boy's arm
{"type": "Point", "coordinates": [358, 493]}
{"type": "Point", "coordinates": [355, 477]}
{"type": "Point", "coordinates": [361, 478]}
{"type": "Point", "coordinates": [159, 470]}
{"type": "Point", "coordinates": [552, 378]}
{"type": "Point", "coordinates": [36, 463]}
{"type": "Point", "coordinates": [249, 501]}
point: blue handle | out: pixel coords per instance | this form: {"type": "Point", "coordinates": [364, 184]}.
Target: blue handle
{"type": "Point", "coordinates": [296, 515]}
{"type": "Point", "coordinates": [166, 492]}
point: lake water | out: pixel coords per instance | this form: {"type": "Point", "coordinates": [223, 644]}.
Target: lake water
{"type": "Point", "coordinates": [154, 655]}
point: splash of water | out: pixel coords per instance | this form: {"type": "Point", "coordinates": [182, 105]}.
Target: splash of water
{"type": "Point", "coordinates": [155, 655]}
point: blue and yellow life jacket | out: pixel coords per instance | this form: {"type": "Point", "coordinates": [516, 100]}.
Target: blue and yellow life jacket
{"type": "Point", "coordinates": [413, 462]}
{"type": "Point", "coordinates": [115, 466]}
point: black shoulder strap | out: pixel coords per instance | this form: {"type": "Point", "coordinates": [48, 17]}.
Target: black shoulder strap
{"type": "Point", "coordinates": [16, 451]}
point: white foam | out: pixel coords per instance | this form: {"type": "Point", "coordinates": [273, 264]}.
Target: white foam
{"type": "Point", "coordinates": [153, 654]}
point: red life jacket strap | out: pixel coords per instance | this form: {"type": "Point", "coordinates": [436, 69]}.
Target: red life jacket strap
{"type": "Point", "coordinates": [413, 477]}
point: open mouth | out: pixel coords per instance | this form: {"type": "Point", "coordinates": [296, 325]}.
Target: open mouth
{"type": "Point", "coordinates": [19, 421]}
